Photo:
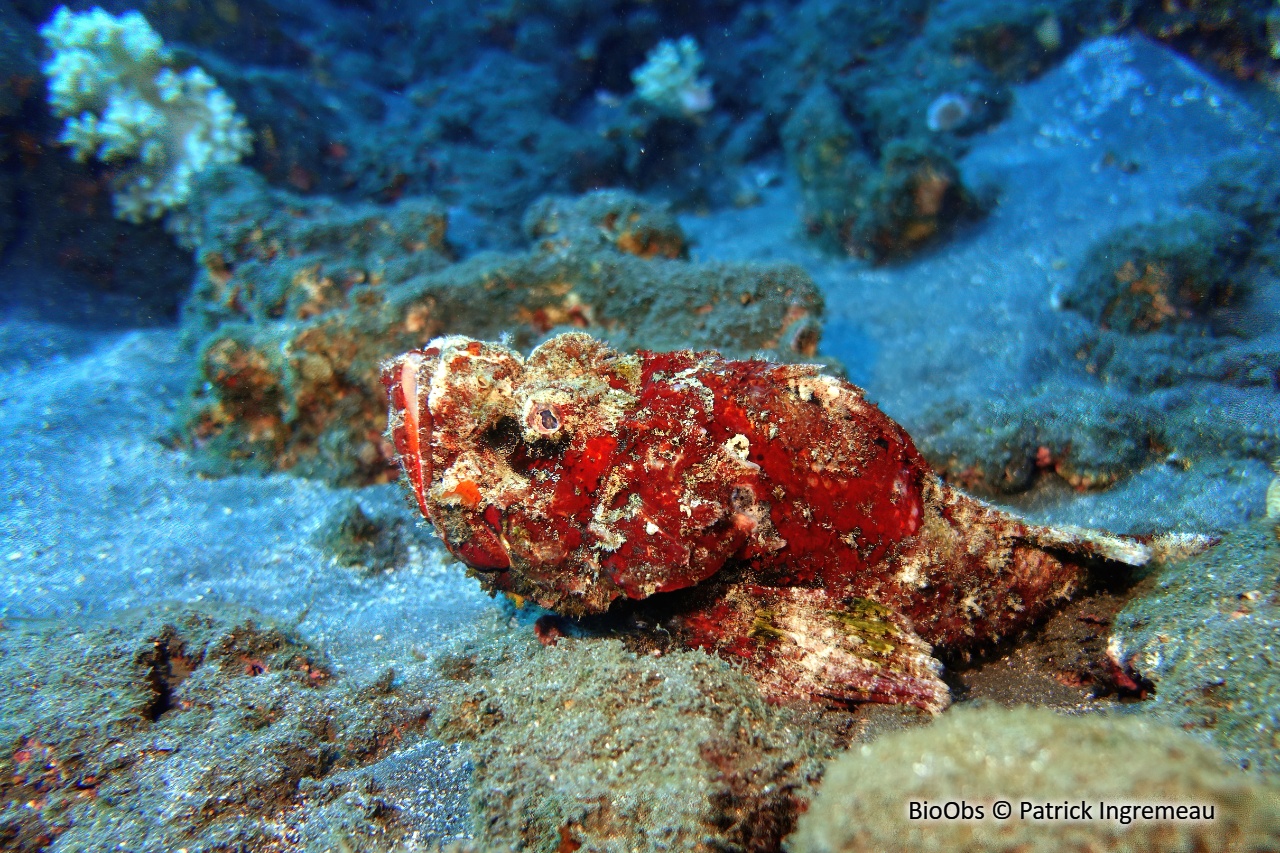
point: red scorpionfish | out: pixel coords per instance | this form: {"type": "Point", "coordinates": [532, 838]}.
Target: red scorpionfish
{"type": "Point", "coordinates": [783, 520]}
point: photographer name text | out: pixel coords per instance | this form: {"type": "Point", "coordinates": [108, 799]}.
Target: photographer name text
{"type": "Point", "coordinates": [1064, 811]}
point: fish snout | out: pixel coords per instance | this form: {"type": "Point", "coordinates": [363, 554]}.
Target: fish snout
{"type": "Point", "coordinates": [409, 421]}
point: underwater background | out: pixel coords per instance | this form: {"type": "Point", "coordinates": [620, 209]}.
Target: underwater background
{"type": "Point", "coordinates": [1043, 237]}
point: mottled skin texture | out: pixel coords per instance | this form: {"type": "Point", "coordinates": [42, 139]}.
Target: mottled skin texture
{"type": "Point", "coordinates": [821, 550]}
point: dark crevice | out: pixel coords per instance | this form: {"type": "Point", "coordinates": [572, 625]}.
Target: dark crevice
{"type": "Point", "coordinates": [167, 669]}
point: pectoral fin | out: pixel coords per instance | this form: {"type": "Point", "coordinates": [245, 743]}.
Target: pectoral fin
{"type": "Point", "coordinates": [803, 644]}
{"type": "Point", "coordinates": [1130, 550]}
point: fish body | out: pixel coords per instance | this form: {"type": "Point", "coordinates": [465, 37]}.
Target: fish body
{"type": "Point", "coordinates": [795, 526]}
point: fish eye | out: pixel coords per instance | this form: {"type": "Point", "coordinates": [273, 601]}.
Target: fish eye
{"type": "Point", "coordinates": [545, 418]}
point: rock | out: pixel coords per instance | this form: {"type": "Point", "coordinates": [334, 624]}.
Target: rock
{"type": "Point", "coordinates": [975, 757]}
{"type": "Point", "coordinates": [1205, 636]}
{"type": "Point", "coordinates": [199, 727]}
{"type": "Point", "coordinates": [299, 302]}
{"type": "Point", "coordinates": [585, 745]}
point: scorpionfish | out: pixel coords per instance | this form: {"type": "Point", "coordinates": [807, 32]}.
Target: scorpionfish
{"type": "Point", "coordinates": [778, 517]}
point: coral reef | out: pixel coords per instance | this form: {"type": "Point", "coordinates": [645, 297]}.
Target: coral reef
{"type": "Point", "coordinates": [298, 303]}
{"type": "Point", "coordinates": [112, 79]}
{"type": "Point", "coordinates": [522, 99]}
{"type": "Point", "coordinates": [586, 745]}
{"type": "Point", "coordinates": [978, 756]}
{"type": "Point", "coordinates": [736, 503]}
{"type": "Point", "coordinates": [196, 727]}
{"type": "Point", "coordinates": [1205, 636]}
{"type": "Point", "coordinates": [855, 204]}
{"type": "Point", "coordinates": [817, 545]}
{"type": "Point", "coordinates": [669, 79]}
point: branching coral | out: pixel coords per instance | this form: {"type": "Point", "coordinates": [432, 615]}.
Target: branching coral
{"type": "Point", "coordinates": [111, 78]}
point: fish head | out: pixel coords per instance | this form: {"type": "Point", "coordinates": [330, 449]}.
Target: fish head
{"type": "Point", "coordinates": [444, 399]}
{"type": "Point", "coordinates": [502, 453]}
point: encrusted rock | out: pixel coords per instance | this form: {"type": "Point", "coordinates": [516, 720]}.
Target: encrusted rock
{"type": "Point", "coordinates": [298, 303]}
{"type": "Point", "coordinates": [975, 758]}
{"type": "Point", "coordinates": [586, 745]}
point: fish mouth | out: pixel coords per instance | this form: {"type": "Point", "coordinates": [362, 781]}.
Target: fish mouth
{"type": "Point", "coordinates": [409, 420]}
{"type": "Point", "coordinates": [439, 405]}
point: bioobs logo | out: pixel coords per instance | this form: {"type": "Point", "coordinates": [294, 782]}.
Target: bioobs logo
{"type": "Point", "coordinates": [1065, 811]}
{"type": "Point", "coordinates": [950, 810]}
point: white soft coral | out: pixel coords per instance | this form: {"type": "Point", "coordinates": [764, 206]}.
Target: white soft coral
{"type": "Point", "coordinates": [109, 77]}
{"type": "Point", "coordinates": [669, 79]}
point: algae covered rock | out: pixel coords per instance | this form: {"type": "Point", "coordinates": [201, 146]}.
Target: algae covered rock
{"type": "Point", "coordinates": [586, 745]}
{"type": "Point", "coordinates": [299, 302]}
{"type": "Point", "coordinates": [1035, 433]}
{"type": "Point", "coordinates": [826, 152]}
{"type": "Point", "coordinates": [916, 197]}
{"type": "Point", "coordinates": [1247, 187]}
{"type": "Point", "coordinates": [1163, 322]}
{"type": "Point", "coordinates": [611, 218]}
{"type": "Point", "coordinates": [979, 756]}
{"type": "Point", "coordinates": [1206, 637]}
{"type": "Point", "coordinates": [1162, 276]}
{"type": "Point", "coordinates": [205, 728]}
{"type": "Point", "coordinates": [265, 254]}
{"type": "Point", "coordinates": [1015, 41]}
{"type": "Point", "coordinates": [942, 96]}
{"type": "Point", "coordinates": [882, 206]}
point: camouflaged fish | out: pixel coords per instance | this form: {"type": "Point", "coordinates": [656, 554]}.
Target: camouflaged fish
{"type": "Point", "coordinates": [780, 518]}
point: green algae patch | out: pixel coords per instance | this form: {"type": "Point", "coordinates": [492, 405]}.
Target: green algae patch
{"type": "Point", "coordinates": [189, 727]}
{"type": "Point", "coordinates": [585, 744]}
{"type": "Point", "coordinates": [978, 757]}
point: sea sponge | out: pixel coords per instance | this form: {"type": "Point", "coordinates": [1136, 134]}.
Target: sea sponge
{"type": "Point", "coordinates": [669, 79]}
{"type": "Point", "coordinates": [110, 78]}
{"type": "Point", "coordinates": [977, 757]}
